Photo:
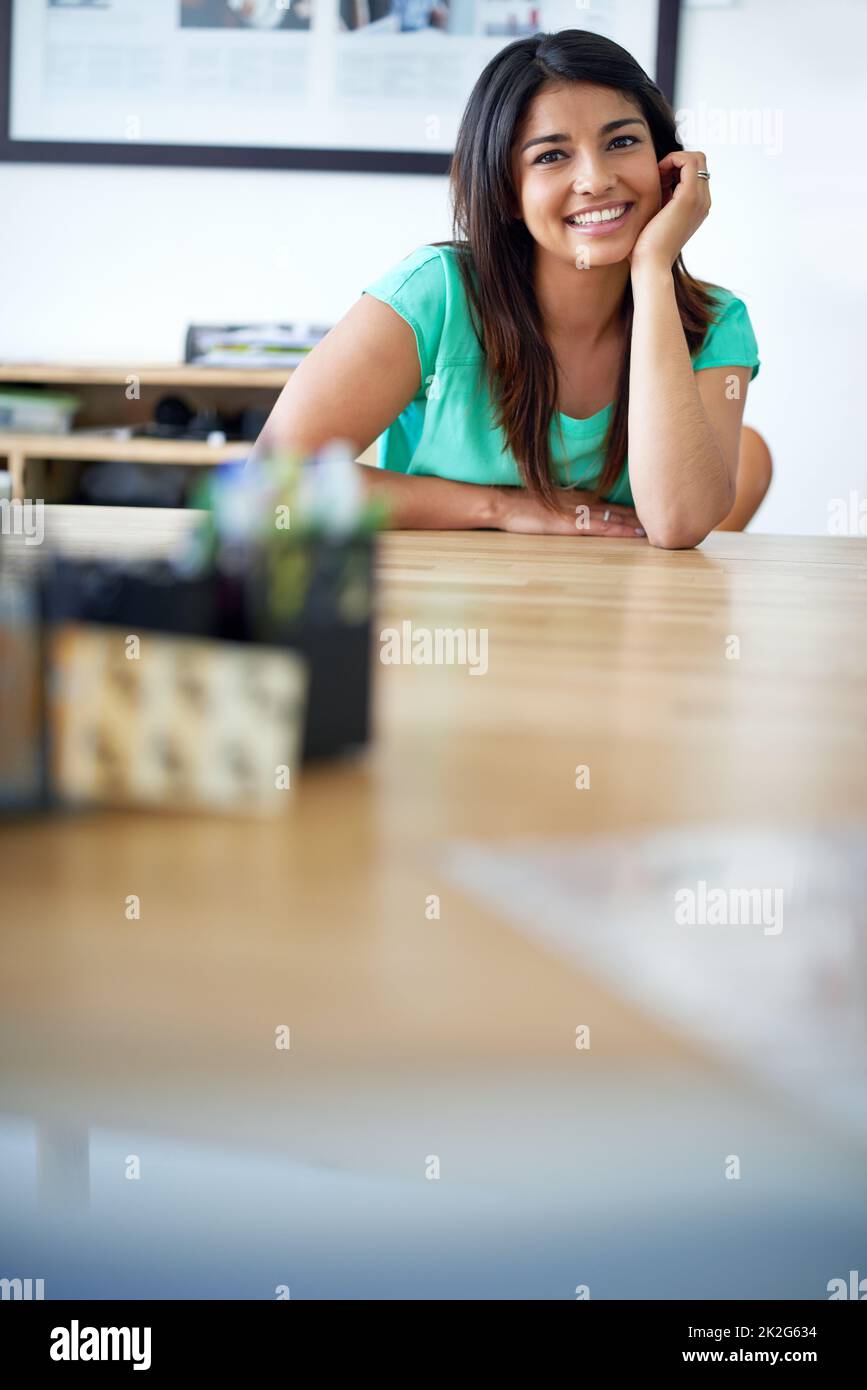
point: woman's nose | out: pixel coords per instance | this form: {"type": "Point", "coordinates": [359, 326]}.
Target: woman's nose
{"type": "Point", "coordinates": [593, 176]}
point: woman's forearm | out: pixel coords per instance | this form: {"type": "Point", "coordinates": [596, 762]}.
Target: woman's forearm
{"type": "Point", "coordinates": [419, 503]}
{"type": "Point", "coordinates": [677, 472]}
{"type": "Point", "coordinates": [416, 502]}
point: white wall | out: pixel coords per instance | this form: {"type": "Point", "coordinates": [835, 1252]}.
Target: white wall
{"type": "Point", "coordinates": [110, 264]}
{"type": "Point", "coordinates": [787, 233]}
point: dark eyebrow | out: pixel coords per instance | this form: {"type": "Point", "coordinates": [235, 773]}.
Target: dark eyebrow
{"type": "Point", "coordinates": [603, 130]}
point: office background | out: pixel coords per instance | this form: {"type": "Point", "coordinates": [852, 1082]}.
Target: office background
{"type": "Point", "coordinates": [110, 264]}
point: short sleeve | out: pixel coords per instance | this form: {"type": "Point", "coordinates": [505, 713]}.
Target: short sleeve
{"type": "Point", "coordinates": [416, 289]}
{"type": "Point", "coordinates": [730, 340]}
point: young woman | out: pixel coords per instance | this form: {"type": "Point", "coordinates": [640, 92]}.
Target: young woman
{"type": "Point", "coordinates": [506, 372]}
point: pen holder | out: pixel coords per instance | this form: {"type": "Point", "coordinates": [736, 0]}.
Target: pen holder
{"type": "Point", "coordinates": [315, 596]}
{"type": "Point", "coordinates": [149, 596]}
{"type": "Point", "coordinates": [22, 712]}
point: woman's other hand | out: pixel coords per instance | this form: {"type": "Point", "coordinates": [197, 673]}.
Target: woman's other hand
{"type": "Point", "coordinates": [577, 514]}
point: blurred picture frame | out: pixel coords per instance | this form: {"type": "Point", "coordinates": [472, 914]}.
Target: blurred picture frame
{"type": "Point", "coordinates": [213, 83]}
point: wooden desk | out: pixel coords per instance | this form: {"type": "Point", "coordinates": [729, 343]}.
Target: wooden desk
{"type": "Point", "coordinates": [608, 653]}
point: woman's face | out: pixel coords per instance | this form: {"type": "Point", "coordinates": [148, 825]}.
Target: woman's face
{"type": "Point", "coordinates": [574, 164]}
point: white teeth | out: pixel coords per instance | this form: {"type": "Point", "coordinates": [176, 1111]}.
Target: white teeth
{"type": "Point", "coordinates": [607, 215]}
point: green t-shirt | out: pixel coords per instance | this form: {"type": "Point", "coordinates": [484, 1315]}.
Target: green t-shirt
{"type": "Point", "coordinates": [448, 428]}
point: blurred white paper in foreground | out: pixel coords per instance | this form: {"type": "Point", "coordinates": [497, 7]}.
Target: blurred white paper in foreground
{"type": "Point", "coordinates": [784, 996]}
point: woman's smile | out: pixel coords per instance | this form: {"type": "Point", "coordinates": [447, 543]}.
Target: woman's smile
{"type": "Point", "coordinates": [600, 221]}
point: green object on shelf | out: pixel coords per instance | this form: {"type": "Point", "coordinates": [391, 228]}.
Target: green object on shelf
{"type": "Point", "coordinates": [24, 411]}
{"type": "Point", "coordinates": [23, 393]}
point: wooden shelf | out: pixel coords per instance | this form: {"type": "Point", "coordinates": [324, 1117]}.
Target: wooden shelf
{"type": "Point", "coordinates": [104, 401]}
{"type": "Point", "coordinates": [85, 446]}
{"type": "Point", "coordinates": [178, 374]}
{"type": "Point", "coordinates": [91, 446]}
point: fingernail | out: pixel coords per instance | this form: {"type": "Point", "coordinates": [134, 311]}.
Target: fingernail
{"type": "Point", "coordinates": [640, 531]}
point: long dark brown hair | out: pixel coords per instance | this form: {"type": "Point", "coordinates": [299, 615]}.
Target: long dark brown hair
{"type": "Point", "coordinates": [497, 269]}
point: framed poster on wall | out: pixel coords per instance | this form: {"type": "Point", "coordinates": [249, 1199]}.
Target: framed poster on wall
{"type": "Point", "coordinates": [359, 85]}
